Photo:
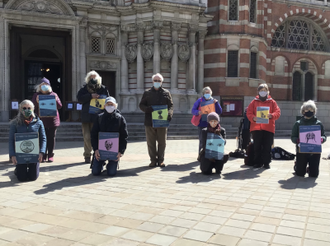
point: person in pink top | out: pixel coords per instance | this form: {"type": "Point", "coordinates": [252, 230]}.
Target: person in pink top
{"type": "Point", "coordinates": [50, 123]}
{"type": "Point", "coordinates": [263, 133]}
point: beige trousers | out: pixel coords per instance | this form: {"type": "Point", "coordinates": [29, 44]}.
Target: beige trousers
{"type": "Point", "coordinates": [156, 135]}
{"type": "Point", "coordinates": [86, 129]}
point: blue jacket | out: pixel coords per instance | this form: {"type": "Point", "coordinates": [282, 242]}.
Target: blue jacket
{"type": "Point", "coordinates": [36, 125]}
{"type": "Point", "coordinates": [195, 110]}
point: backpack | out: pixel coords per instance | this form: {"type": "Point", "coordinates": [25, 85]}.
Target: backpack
{"type": "Point", "coordinates": [281, 154]}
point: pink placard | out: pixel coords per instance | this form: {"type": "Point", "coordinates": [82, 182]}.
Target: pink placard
{"type": "Point", "coordinates": [111, 144]}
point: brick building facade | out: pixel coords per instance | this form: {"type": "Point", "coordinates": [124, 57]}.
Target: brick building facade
{"type": "Point", "coordinates": [282, 43]}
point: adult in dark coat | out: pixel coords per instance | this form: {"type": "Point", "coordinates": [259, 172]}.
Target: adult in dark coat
{"type": "Point", "coordinates": [109, 121]}
{"type": "Point", "coordinates": [207, 165]}
{"type": "Point", "coordinates": [50, 123]}
{"type": "Point", "coordinates": [93, 89]}
{"type": "Point", "coordinates": [157, 95]}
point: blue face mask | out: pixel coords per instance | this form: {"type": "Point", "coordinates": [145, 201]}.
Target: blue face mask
{"type": "Point", "coordinates": [207, 96]}
{"type": "Point", "coordinates": [157, 85]}
{"type": "Point", "coordinates": [45, 87]}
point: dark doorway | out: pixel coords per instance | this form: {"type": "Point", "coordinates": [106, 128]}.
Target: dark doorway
{"type": "Point", "coordinates": [296, 87]}
{"type": "Point", "coordinates": [41, 62]}
{"type": "Point", "coordinates": [109, 80]}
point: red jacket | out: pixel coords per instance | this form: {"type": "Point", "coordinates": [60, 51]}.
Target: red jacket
{"type": "Point", "coordinates": [274, 110]}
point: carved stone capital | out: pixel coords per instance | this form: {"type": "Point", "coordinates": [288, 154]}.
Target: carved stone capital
{"type": "Point", "coordinates": [128, 27]}
{"type": "Point", "coordinates": [166, 51]}
{"type": "Point", "coordinates": [175, 26]}
{"type": "Point", "coordinates": [184, 52]}
{"type": "Point", "coordinates": [158, 24]}
{"type": "Point", "coordinates": [104, 65]}
{"type": "Point", "coordinates": [193, 28]}
{"type": "Point", "coordinates": [131, 52]}
{"type": "Point", "coordinates": [140, 26]}
{"type": "Point", "coordinates": [202, 34]}
{"type": "Point", "coordinates": [147, 51]}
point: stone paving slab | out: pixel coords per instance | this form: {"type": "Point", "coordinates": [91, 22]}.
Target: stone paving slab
{"type": "Point", "coordinates": [173, 206]}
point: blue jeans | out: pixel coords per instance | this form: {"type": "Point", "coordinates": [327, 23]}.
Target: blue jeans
{"type": "Point", "coordinates": [98, 166]}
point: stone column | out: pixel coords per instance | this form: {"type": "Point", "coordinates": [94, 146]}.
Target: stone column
{"type": "Point", "coordinates": [139, 58]}
{"type": "Point", "coordinates": [200, 83]}
{"type": "Point", "coordinates": [124, 63]}
{"type": "Point", "coordinates": [191, 82]}
{"type": "Point", "coordinates": [82, 53]}
{"type": "Point", "coordinates": [4, 113]}
{"type": "Point", "coordinates": [175, 60]}
{"type": "Point", "coordinates": [156, 58]}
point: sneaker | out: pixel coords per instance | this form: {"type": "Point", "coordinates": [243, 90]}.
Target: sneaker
{"type": "Point", "coordinates": [50, 159]}
{"type": "Point", "coordinates": [152, 164]}
{"type": "Point", "coordinates": [266, 166]}
{"type": "Point", "coordinates": [88, 159]}
{"type": "Point", "coordinates": [162, 164]}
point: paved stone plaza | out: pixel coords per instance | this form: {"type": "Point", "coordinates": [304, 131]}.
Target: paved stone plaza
{"type": "Point", "coordinates": [174, 206]}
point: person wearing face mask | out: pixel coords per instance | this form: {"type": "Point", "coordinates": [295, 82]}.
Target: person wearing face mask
{"type": "Point", "coordinates": [26, 121]}
{"type": "Point", "coordinates": [109, 121]}
{"type": "Point", "coordinates": [308, 110]}
{"type": "Point", "coordinates": [50, 123]}
{"type": "Point", "coordinates": [213, 126]}
{"type": "Point", "coordinates": [92, 89]}
{"type": "Point", "coordinates": [157, 95]}
{"type": "Point", "coordinates": [263, 134]}
{"type": "Point", "coordinates": [196, 110]}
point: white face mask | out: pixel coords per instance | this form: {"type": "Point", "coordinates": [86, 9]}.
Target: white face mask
{"type": "Point", "coordinates": [263, 93]}
{"type": "Point", "coordinates": [109, 109]}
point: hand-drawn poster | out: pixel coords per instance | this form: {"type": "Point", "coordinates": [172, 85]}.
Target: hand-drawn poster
{"type": "Point", "coordinates": [108, 145]}
{"type": "Point", "coordinates": [159, 116]}
{"type": "Point", "coordinates": [47, 106]}
{"type": "Point", "coordinates": [215, 147]}
{"type": "Point", "coordinates": [27, 147]}
{"type": "Point", "coordinates": [310, 139]}
{"type": "Point", "coordinates": [206, 108]}
{"type": "Point", "coordinates": [262, 115]}
{"type": "Point", "coordinates": [97, 105]}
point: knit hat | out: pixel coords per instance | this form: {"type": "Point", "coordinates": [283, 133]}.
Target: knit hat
{"type": "Point", "coordinates": [213, 116]}
{"type": "Point", "coordinates": [110, 99]}
{"type": "Point", "coordinates": [44, 80]}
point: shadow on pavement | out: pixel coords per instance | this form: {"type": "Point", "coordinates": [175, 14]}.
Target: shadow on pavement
{"type": "Point", "coordinates": [71, 182]}
{"type": "Point", "coordinates": [13, 182]}
{"type": "Point", "coordinates": [197, 178]}
{"type": "Point", "coordinates": [131, 171]}
{"type": "Point", "coordinates": [297, 182]}
{"type": "Point", "coordinates": [243, 174]}
{"type": "Point", "coordinates": [61, 167]}
{"type": "Point", "coordinates": [180, 167]}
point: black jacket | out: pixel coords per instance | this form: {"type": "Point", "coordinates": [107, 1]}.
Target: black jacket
{"type": "Point", "coordinates": [84, 97]}
{"type": "Point", "coordinates": [154, 97]}
{"type": "Point", "coordinates": [113, 122]}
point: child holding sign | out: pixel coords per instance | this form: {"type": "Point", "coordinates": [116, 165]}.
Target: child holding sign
{"type": "Point", "coordinates": [308, 135]}
{"type": "Point", "coordinates": [262, 112]}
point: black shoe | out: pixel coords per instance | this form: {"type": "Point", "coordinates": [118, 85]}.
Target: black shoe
{"type": "Point", "coordinates": [217, 171]}
{"type": "Point", "coordinates": [257, 167]}
{"type": "Point", "coordinates": [266, 166]}
{"type": "Point", "coordinates": [15, 171]}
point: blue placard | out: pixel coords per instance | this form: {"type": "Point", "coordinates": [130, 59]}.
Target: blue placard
{"type": "Point", "coordinates": [96, 106]}
{"type": "Point", "coordinates": [159, 116]}
{"type": "Point", "coordinates": [215, 146]}
{"type": "Point", "coordinates": [47, 106]}
{"type": "Point", "coordinates": [310, 139]}
{"type": "Point", "coordinates": [27, 147]}
{"type": "Point", "coordinates": [108, 145]}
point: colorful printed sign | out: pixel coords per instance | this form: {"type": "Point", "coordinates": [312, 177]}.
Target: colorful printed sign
{"type": "Point", "coordinates": [207, 107]}
{"type": "Point", "coordinates": [27, 147]}
{"type": "Point", "coordinates": [108, 145]}
{"type": "Point", "coordinates": [310, 139]}
{"type": "Point", "coordinates": [97, 105]}
{"type": "Point", "coordinates": [47, 106]}
{"type": "Point", "coordinates": [262, 115]}
{"type": "Point", "coordinates": [215, 146]}
{"type": "Point", "coordinates": [159, 116]}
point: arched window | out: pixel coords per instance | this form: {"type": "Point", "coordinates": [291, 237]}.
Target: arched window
{"type": "Point", "coordinates": [309, 86]}
{"type": "Point", "coordinates": [298, 34]}
{"type": "Point", "coordinates": [296, 87]}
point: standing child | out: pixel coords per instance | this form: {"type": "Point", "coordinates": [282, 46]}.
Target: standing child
{"type": "Point", "coordinates": [308, 110]}
{"type": "Point", "coordinates": [213, 126]}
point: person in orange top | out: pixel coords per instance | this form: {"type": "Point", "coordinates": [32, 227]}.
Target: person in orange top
{"type": "Point", "coordinates": [263, 134]}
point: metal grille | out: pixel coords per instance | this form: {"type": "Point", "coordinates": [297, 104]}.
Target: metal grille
{"type": "Point", "coordinates": [232, 69]}
{"type": "Point", "coordinates": [253, 65]}
{"type": "Point", "coordinates": [317, 41]}
{"type": "Point", "coordinates": [233, 7]}
{"type": "Point", "coordinates": [96, 44]}
{"type": "Point", "coordinates": [253, 11]}
{"type": "Point", "coordinates": [298, 36]}
{"type": "Point", "coordinates": [110, 45]}
{"type": "Point", "coordinates": [279, 37]}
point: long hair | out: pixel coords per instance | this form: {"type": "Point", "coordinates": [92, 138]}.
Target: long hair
{"type": "Point", "coordinates": [19, 119]}
{"type": "Point", "coordinates": [98, 77]}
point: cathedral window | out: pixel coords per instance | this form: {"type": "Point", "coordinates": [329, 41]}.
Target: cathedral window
{"type": "Point", "coordinates": [96, 44]}
{"type": "Point", "coordinates": [232, 65]}
{"type": "Point", "coordinates": [253, 11]}
{"type": "Point", "coordinates": [233, 9]}
{"type": "Point", "coordinates": [299, 35]}
{"type": "Point", "coordinates": [253, 65]}
{"type": "Point", "coordinates": [110, 45]}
